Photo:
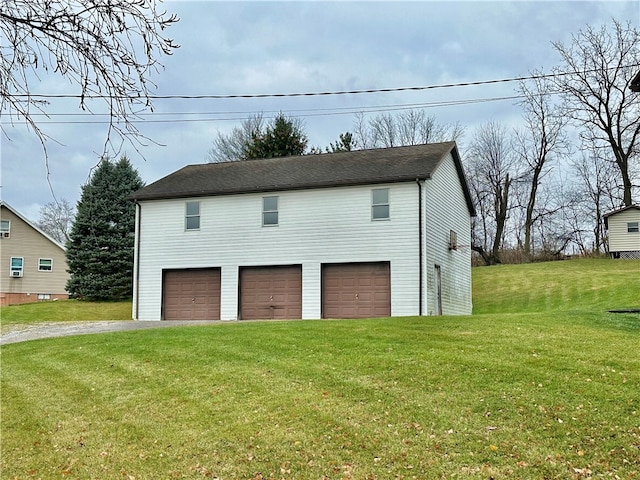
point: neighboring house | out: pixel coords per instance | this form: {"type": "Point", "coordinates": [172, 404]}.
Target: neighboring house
{"type": "Point", "coordinates": [33, 266]}
{"type": "Point", "coordinates": [623, 226]}
{"type": "Point", "coordinates": [368, 233]}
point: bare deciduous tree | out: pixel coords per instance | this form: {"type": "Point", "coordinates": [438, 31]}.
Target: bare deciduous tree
{"type": "Point", "coordinates": [232, 147]}
{"type": "Point", "coordinates": [411, 127]}
{"type": "Point", "coordinates": [602, 64]}
{"type": "Point", "coordinates": [596, 191]}
{"type": "Point", "coordinates": [108, 48]}
{"type": "Point", "coordinates": [540, 142]}
{"type": "Point", "coordinates": [56, 219]}
{"type": "Point", "coordinates": [490, 164]}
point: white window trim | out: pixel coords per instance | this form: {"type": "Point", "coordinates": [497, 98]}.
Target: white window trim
{"type": "Point", "coordinates": [636, 227]}
{"type": "Point", "coordinates": [187, 217]}
{"type": "Point", "coordinates": [387, 204]}
{"type": "Point", "coordinates": [5, 233]}
{"type": "Point", "coordinates": [40, 269]}
{"type": "Point", "coordinates": [15, 269]}
{"type": "Point", "coordinates": [276, 211]}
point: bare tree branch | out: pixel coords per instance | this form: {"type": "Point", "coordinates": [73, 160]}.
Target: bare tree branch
{"type": "Point", "coordinates": [541, 141]}
{"type": "Point", "coordinates": [56, 219]}
{"type": "Point", "coordinates": [597, 96]}
{"type": "Point", "coordinates": [411, 127]}
{"type": "Point", "coordinates": [108, 48]}
{"type": "Point", "coordinates": [490, 171]}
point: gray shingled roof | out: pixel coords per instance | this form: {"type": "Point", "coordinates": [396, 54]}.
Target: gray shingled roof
{"type": "Point", "coordinates": [360, 167]}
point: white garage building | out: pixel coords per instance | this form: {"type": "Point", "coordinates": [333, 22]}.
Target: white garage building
{"type": "Point", "coordinates": [367, 233]}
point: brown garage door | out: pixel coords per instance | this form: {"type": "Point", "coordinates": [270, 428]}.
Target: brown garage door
{"type": "Point", "coordinates": [191, 294]}
{"type": "Point", "coordinates": [271, 292]}
{"type": "Point", "coordinates": [356, 290]}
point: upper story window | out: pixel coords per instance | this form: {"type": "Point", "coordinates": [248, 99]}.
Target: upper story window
{"type": "Point", "coordinates": [192, 216]}
{"type": "Point", "coordinates": [17, 267]}
{"type": "Point", "coordinates": [269, 211]}
{"type": "Point", "coordinates": [380, 204]}
{"type": "Point", "coordinates": [633, 227]}
{"type": "Point", "coordinates": [5, 228]}
{"type": "Point", "coordinates": [45, 264]}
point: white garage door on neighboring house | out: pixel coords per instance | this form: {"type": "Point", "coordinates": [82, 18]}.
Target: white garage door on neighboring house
{"type": "Point", "coordinates": [191, 294]}
{"type": "Point", "coordinates": [356, 290]}
{"type": "Point", "coordinates": [273, 292]}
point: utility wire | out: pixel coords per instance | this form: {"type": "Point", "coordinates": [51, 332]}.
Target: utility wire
{"type": "Point", "coordinates": [294, 110]}
{"type": "Point", "coordinates": [241, 115]}
{"type": "Point", "coordinates": [309, 94]}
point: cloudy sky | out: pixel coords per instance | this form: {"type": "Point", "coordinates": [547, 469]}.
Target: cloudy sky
{"type": "Point", "coordinates": [239, 48]}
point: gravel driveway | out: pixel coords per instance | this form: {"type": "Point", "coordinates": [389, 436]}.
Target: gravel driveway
{"type": "Point", "coordinates": [23, 333]}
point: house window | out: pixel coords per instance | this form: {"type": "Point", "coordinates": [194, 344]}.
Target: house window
{"type": "Point", "coordinates": [380, 204]}
{"type": "Point", "coordinates": [453, 240]}
{"type": "Point", "coordinates": [192, 216]}
{"type": "Point", "coordinates": [269, 211]}
{"type": "Point", "coordinates": [17, 267]}
{"type": "Point", "coordinates": [5, 228]}
{"type": "Point", "coordinates": [45, 264]}
{"type": "Point", "coordinates": [632, 227]}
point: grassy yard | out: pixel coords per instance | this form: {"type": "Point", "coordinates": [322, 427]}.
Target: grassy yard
{"type": "Point", "coordinates": [63, 311]}
{"type": "Point", "coordinates": [596, 285]}
{"type": "Point", "coordinates": [542, 383]}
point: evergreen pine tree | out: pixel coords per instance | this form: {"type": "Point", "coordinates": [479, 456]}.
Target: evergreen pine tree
{"type": "Point", "coordinates": [101, 243]}
{"type": "Point", "coordinates": [282, 138]}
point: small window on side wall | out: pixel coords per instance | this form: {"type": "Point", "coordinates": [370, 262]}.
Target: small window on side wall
{"type": "Point", "coordinates": [192, 216]}
{"type": "Point", "coordinates": [5, 228]}
{"type": "Point", "coordinates": [269, 211]}
{"type": "Point", "coordinates": [17, 267]}
{"type": "Point", "coordinates": [45, 264]}
{"type": "Point", "coordinates": [633, 227]}
{"type": "Point", "coordinates": [380, 204]}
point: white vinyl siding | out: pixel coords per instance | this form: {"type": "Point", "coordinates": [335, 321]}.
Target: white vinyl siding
{"type": "Point", "coordinates": [314, 228]}
{"type": "Point", "coordinates": [446, 211]}
{"type": "Point", "coordinates": [620, 238]}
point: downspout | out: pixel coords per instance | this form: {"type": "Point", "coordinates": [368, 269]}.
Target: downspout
{"type": "Point", "coordinates": [137, 260]}
{"type": "Point", "coordinates": [420, 253]}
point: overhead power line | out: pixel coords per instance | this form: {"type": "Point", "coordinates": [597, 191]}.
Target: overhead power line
{"type": "Point", "coordinates": [173, 117]}
{"type": "Point", "coordinates": [308, 94]}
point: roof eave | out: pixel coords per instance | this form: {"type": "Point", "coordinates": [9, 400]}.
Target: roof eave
{"type": "Point", "coordinates": [277, 188]}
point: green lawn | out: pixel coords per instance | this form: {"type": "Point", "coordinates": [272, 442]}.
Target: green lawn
{"type": "Point", "coordinates": [596, 285]}
{"type": "Point", "coordinates": [63, 311]}
{"type": "Point", "coordinates": [546, 390]}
